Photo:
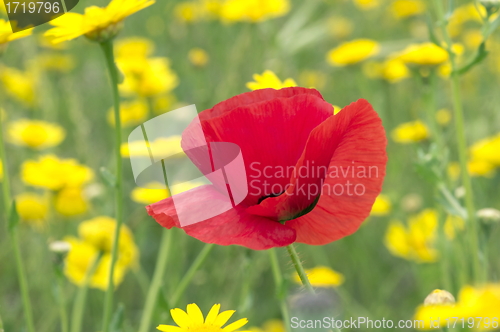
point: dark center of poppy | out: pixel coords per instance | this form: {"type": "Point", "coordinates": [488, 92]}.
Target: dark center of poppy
{"type": "Point", "coordinates": [267, 196]}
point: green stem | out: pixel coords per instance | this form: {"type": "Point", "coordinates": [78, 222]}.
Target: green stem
{"type": "Point", "coordinates": [156, 283]}
{"type": "Point", "coordinates": [107, 48]}
{"type": "Point", "coordinates": [299, 268]}
{"type": "Point", "coordinates": [186, 279]}
{"type": "Point", "coordinates": [278, 281]}
{"type": "Point", "coordinates": [7, 203]}
{"type": "Point", "coordinates": [81, 296]}
{"type": "Point", "coordinates": [62, 305]}
{"type": "Point", "coordinates": [462, 151]}
{"type": "Point", "coordinates": [1, 325]}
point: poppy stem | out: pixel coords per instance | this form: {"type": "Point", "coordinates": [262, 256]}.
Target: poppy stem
{"type": "Point", "coordinates": [280, 287]}
{"type": "Point", "coordinates": [14, 233]}
{"type": "Point", "coordinates": [107, 48]}
{"type": "Point", "coordinates": [81, 296]}
{"type": "Point", "coordinates": [299, 268]}
{"type": "Point", "coordinates": [156, 283]}
{"type": "Point", "coordinates": [461, 140]}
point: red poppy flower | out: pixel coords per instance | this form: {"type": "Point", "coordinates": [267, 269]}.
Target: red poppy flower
{"type": "Point", "coordinates": [312, 176]}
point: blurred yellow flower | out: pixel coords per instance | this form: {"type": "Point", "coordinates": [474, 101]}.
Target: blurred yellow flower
{"type": "Point", "coordinates": [312, 79]}
{"type": "Point", "coordinates": [146, 77]}
{"type": "Point", "coordinates": [71, 202]}
{"type": "Point", "coordinates": [322, 276]}
{"type": "Point", "coordinates": [198, 57]}
{"type": "Point", "coordinates": [131, 113]}
{"type": "Point", "coordinates": [392, 70]}
{"type": "Point", "coordinates": [443, 116]}
{"type": "Point", "coordinates": [81, 257]}
{"type": "Point", "coordinates": [6, 34]}
{"type": "Point", "coordinates": [35, 134]}
{"type": "Point", "coordinates": [416, 241]}
{"type": "Point", "coordinates": [340, 27]}
{"type": "Point", "coordinates": [63, 63]}
{"type": "Point", "coordinates": [192, 320]}
{"type": "Point", "coordinates": [367, 4]}
{"type": "Point", "coordinates": [154, 192]}
{"type": "Point", "coordinates": [426, 54]}
{"type": "Point", "coordinates": [410, 132]}
{"type": "Point", "coordinates": [487, 149]}
{"type": "Point", "coordinates": [134, 47]}
{"type": "Point", "coordinates": [189, 11]}
{"type": "Point", "coordinates": [253, 10]}
{"type": "Point", "coordinates": [479, 307]}
{"type": "Point", "coordinates": [163, 146]}
{"type": "Point", "coordinates": [1, 170]}
{"type": "Point", "coordinates": [268, 79]}
{"type": "Point", "coordinates": [474, 167]}
{"type": "Point", "coordinates": [352, 52]}
{"type": "Point", "coordinates": [32, 208]}
{"type": "Point", "coordinates": [382, 206]}
{"type": "Point", "coordinates": [53, 173]}
{"type": "Point", "coordinates": [99, 232]}
{"type": "Point", "coordinates": [473, 38]}
{"type": "Point", "coordinates": [19, 84]}
{"type": "Point", "coordinates": [164, 103]}
{"type": "Point", "coordinates": [464, 14]}
{"type": "Point", "coordinates": [272, 325]}
{"type": "Point", "coordinates": [407, 8]}
{"type": "Point", "coordinates": [97, 23]}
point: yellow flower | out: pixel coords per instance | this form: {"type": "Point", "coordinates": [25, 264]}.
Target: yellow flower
{"type": "Point", "coordinates": [18, 84]}
{"type": "Point", "coordinates": [97, 23]}
{"type": "Point", "coordinates": [253, 10]}
{"type": "Point", "coordinates": [443, 116]}
{"type": "Point", "coordinates": [352, 52]}
{"type": "Point", "coordinates": [410, 132]}
{"type": "Point", "coordinates": [464, 14]}
{"type": "Point", "coordinates": [479, 307]}
{"type": "Point", "coordinates": [487, 150]}
{"type": "Point", "coordinates": [1, 170]}
{"type": "Point", "coordinates": [154, 193]}
{"type": "Point", "coordinates": [189, 11]}
{"type": "Point", "coordinates": [35, 134]}
{"type": "Point", "coordinates": [164, 103]}
{"type": "Point", "coordinates": [473, 38]}
{"type": "Point", "coordinates": [163, 146]}
{"type": "Point", "coordinates": [452, 224]}
{"type": "Point", "coordinates": [340, 27]}
{"type": "Point", "coordinates": [322, 276]}
{"type": "Point", "coordinates": [272, 325]}
{"type": "Point", "coordinates": [71, 202]}
{"type": "Point", "coordinates": [53, 173]}
{"type": "Point", "coordinates": [382, 206]}
{"type": "Point", "coordinates": [268, 79]}
{"type": "Point", "coordinates": [81, 258]}
{"type": "Point", "coordinates": [99, 232]}
{"type": "Point", "coordinates": [63, 63]}
{"type": "Point", "coordinates": [426, 54]}
{"type": "Point", "coordinates": [475, 167]}
{"type": "Point", "coordinates": [6, 34]}
{"type": "Point", "coordinates": [407, 8]}
{"type": "Point", "coordinates": [394, 70]}
{"type": "Point", "coordinates": [367, 4]}
{"type": "Point", "coordinates": [32, 208]}
{"type": "Point", "coordinates": [192, 320]}
{"type": "Point", "coordinates": [198, 57]}
{"type": "Point", "coordinates": [146, 77]}
{"type": "Point", "coordinates": [131, 113]}
{"type": "Point", "coordinates": [135, 47]}
{"type": "Point", "coordinates": [312, 79]}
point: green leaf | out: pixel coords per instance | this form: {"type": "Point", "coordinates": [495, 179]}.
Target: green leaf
{"type": "Point", "coordinates": [108, 177]}
{"type": "Point", "coordinates": [13, 217]}
{"type": "Point", "coordinates": [481, 54]}
{"type": "Point", "coordinates": [117, 321]}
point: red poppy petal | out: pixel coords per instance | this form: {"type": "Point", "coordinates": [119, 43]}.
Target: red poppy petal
{"type": "Point", "coordinates": [362, 146]}
{"type": "Point", "coordinates": [234, 226]}
{"type": "Point", "coordinates": [271, 135]}
{"type": "Point", "coordinates": [256, 96]}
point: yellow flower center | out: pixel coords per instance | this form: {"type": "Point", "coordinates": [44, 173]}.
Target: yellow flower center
{"type": "Point", "coordinates": [34, 135]}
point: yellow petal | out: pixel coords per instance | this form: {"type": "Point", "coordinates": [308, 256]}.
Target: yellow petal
{"type": "Point", "coordinates": [223, 317]}
{"type": "Point", "coordinates": [180, 317]}
{"type": "Point", "coordinates": [236, 325]}
{"type": "Point", "coordinates": [195, 314]}
{"type": "Point", "coordinates": [169, 328]}
{"type": "Point", "coordinates": [212, 314]}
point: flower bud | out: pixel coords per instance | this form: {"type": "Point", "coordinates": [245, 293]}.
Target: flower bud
{"type": "Point", "coordinates": [438, 297]}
